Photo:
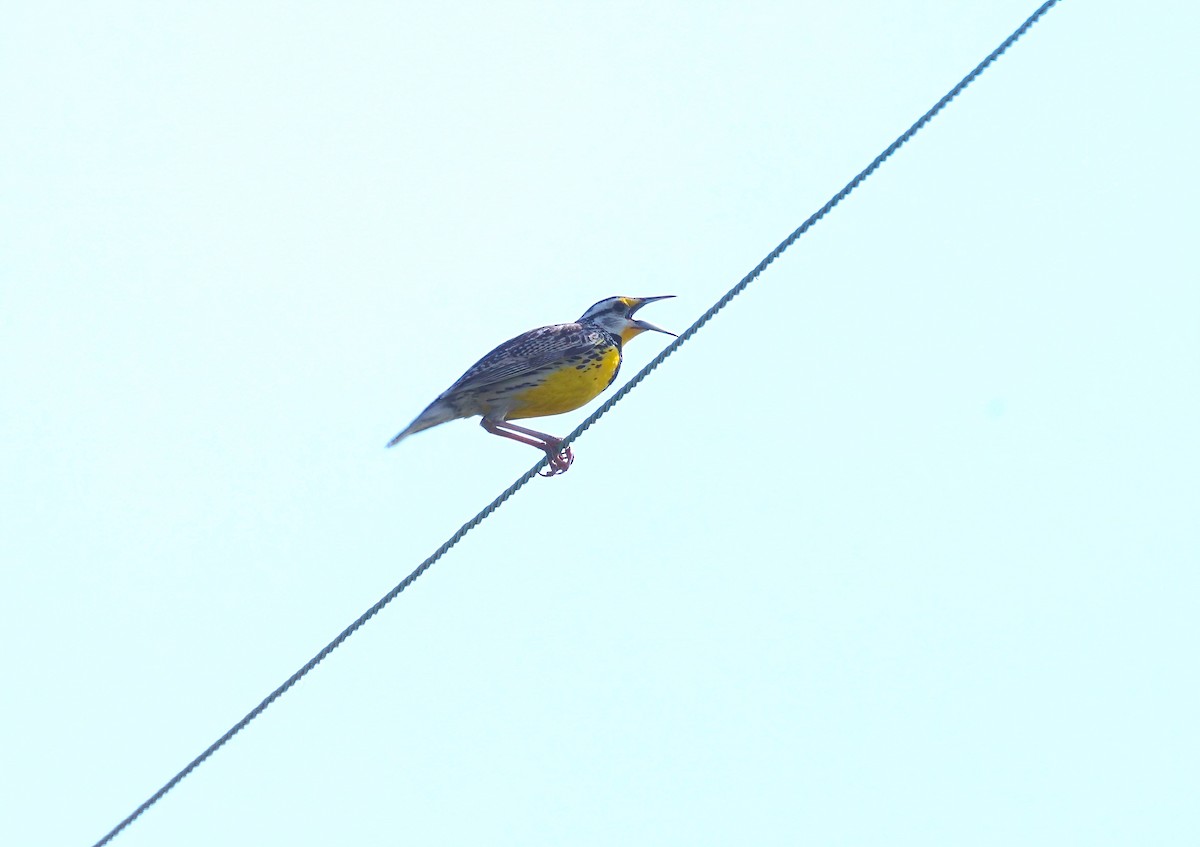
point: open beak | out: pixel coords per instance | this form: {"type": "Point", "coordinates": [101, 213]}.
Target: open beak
{"type": "Point", "coordinates": [646, 325]}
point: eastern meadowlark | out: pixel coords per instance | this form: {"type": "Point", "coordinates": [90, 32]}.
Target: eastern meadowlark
{"type": "Point", "coordinates": [545, 371]}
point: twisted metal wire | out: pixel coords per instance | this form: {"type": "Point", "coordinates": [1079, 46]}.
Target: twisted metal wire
{"type": "Point", "coordinates": [588, 422]}
{"type": "Point", "coordinates": [808, 224]}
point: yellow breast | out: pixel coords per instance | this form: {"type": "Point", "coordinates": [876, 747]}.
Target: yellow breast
{"type": "Point", "coordinates": [568, 388]}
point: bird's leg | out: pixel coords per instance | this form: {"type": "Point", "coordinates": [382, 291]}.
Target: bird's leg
{"type": "Point", "coordinates": [560, 457]}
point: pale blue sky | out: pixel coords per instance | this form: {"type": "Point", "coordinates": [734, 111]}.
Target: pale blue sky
{"type": "Point", "coordinates": [901, 550]}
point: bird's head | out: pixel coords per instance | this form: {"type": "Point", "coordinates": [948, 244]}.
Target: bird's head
{"type": "Point", "coordinates": [616, 315]}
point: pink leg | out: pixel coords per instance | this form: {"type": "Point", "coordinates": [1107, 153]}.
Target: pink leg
{"type": "Point", "coordinates": [560, 457]}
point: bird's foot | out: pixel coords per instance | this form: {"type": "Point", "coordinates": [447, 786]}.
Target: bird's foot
{"type": "Point", "coordinates": [560, 460]}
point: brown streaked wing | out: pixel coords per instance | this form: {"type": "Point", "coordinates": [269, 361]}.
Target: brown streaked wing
{"type": "Point", "coordinates": [528, 355]}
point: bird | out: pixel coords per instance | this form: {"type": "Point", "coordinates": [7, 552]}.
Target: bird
{"type": "Point", "coordinates": [546, 371]}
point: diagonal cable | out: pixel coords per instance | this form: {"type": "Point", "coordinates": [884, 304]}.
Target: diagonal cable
{"type": "Point", "coordinates": [579, 430]}
{"type": "Point", "coordinates": [808, 224]}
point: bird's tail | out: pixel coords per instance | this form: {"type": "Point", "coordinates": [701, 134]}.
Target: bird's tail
{"type": "Point", "coordinates": [439, 412]}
